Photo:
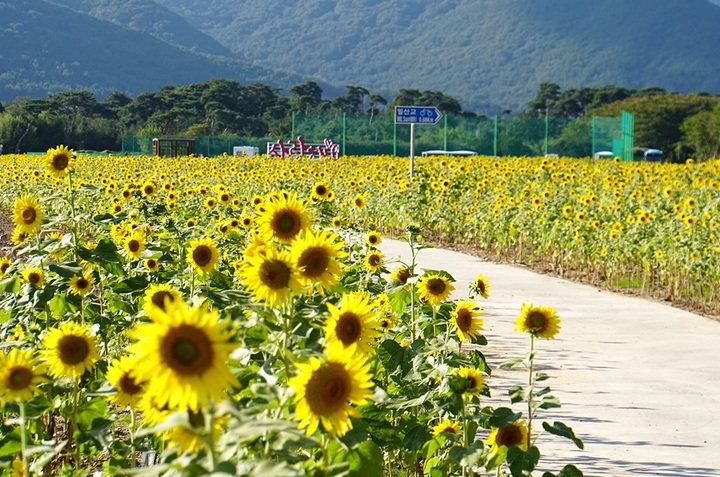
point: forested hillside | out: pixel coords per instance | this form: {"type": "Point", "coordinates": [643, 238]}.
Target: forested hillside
{"type": "Point", "coordinates": [486, 53]}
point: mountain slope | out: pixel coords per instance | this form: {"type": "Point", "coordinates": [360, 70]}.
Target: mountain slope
{"type": "Point", "coordinates": [486, 53]}
{"type": "Point", "coordinates": [48, 48]}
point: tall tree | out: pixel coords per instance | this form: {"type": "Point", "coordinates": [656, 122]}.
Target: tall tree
{"type": "Point", "coordinates": [306, 97]}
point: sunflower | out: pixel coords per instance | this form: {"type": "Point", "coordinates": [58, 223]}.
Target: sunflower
{"type": "Point", "coordinates": [320, 191]}
{"type": "Point", "coordinates": [466, 318]}
{"type": "Point", "coordinates": [373, 238]}
{"type": "Point", "coordinates": [481, 286]}
{"type": "Point", "coordinates": [121, 376]}
{"type": "Point", "coordinates": [156, 296]}
{"type": "Point", "coordinates": [70, 350]}
{"type": "Point", "coordinates": [149, 188]}
{"type": "Point", "coordinates": [283, 218]}
{"type": "Point", "coordinates": [317, 255]}
{"type": "Point", "coordinates": [34, 276]}
{"type": "Point", "coordinates": [21, 374]}
{"type": "Point", "coordinates": [401, 274]}
{"type": "Point", "coordinates": [446, 427]}
{"type": "Point", "coordinates": [505, 437]}
{"type": "Point", "coordinates": [182, 356]}
{"type": "Point", "coordinates": [134, 244]}
{"type": "Point", "coordinates": [359, 201]}
{"type": "Point", "coordinates": [434, 288]}
{"type": "Point", "coordinates": [336, 222]}
{"type": "Point", "coordinates": [27, 214]}
{"type": "Point", "coordinates": [473, 382]}
{"type": "Point", "coordinates": [541, 321]}
{"type": "Point", "coordinates": [203, 255]}
{"type": "Point", "coordinates": [270, 277]}
{"type": "Point", "coordinates": [326, 388]}
{"type": "Point", "coordinates": [81, 284]}
{"type": "Point", "coordinates": [19, 236]}
{"type": "Point", "coordinates": [58, 160]}
{"type": "Point", "coordinates": [5, 263]}
{"type": "Point", "coordinates": [350, 327]}
{"type": "Point", "coordinates": [373, 261]}
{"type": "Point", "coordinates": [152, 264]}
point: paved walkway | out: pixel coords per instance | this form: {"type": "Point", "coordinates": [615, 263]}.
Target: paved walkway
{"type": "Point", "coordinates": [638, 380]}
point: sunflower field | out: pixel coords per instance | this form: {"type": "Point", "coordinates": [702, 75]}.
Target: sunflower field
{"type": "Point", "coordinates": [235, 316]}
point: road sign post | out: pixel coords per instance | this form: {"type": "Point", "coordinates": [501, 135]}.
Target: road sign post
{"type": "Point", "coordinates": [413, 115]}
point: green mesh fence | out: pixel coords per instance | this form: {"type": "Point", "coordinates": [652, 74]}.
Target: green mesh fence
{"type": "Point", "coordinates": [494, 136]}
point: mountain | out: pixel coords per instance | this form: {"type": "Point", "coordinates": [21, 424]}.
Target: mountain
{"type": "Point", "coordinates": [486, 53]}
{"type": "Point", "coordinates": [48, 48]}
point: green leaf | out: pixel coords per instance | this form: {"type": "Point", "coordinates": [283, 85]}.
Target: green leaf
{"type": "Point", "coordinates": [548, 402]}
{"type": "Point", "coordinates": [58, 306]}
{"type": "Point", "coordinates": [131, 284]}
{"type": "Point", "coordinates": [521, 462]}
{"type": "Point", "coordinates": [560, 429]}
{"type": "Point", "coordinates": [415, 438]}
{"type": "Point", "coordinates": [365, 460]}
{"type": "Point", "coordinates": [11, 285]}
{"type": "Point", "coordinates": [10, 444]}
{"type": "Point", "coordinates": [503, 416]}
{"type": "Point", "coordinates": [517, 393]}
{"type": "Point", "coordinates": [90, 410]}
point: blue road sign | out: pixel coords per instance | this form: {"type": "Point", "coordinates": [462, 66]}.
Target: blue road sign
{"type": "Point", "coordinates": [417, 115]}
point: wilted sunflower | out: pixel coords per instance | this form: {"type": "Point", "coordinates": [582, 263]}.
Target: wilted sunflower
{"type": "Point", "coordinates": [27, 214]}
{"type": "Point", "coordinates": [270, 277]}
{"type": "Point", "coordinates": [434, 288]}
{"type": "Point", "coordinates": [317, 255]}
{"type": "Point", "coordinates": [58, 160]}
{"type": "Point", "coordinates": [81, 284]}
{"type": "Point", "coordinates": [70, 350]}
{"type": "Point", "coordinates": [351, 328]}
{"type": "Point", "coordinates": [134, 244]}
{"type": "Point", "coordinates": [373, 261]}
{"type": "Point", "coordinates": [326, 388]}
{"type": "Point", "coordinates": [446, 427]}
{"type": "Point", "coordinates": [466, 318]}
{"type": "Point", "coordinates": [156, 295]}
{"type": "Point", "coordinates": [503, 438]}
{"type": "Point", "coordinates": [5, 263]}
{"type": "Point", "coordinates": [540, 321]}
{"type": "Point", "coordinates": [121, 376]}
{"type": "Point", "coordinates": [373, 238]}
{"type": "Point", "coordinates": [182, 356]}
{"type": "Point", "coordinates": [21, 374]}
{"type": "Point", "coordinates": [283, 218]}
{"type": "Point", "coordinates": [19, 236]}
{"type": "Point", "coordinates": [34, 276]}
{"type": "Point", "coordinates": [481, 286]}
{"type": "Point", "coordinates": [203, 255]}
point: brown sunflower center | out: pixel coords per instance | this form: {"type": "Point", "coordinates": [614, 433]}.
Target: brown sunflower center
{"type": "Point", "coordinates": [464, 319]}
{"type": "Point", "coordinates": [202, 255]}
{"type": "Point", "coordinates": [481, 287]}
{"type": "Point", "coordinates": [4, 266]}
{"type": "Point", "coordinates": [133, 245]}
{"type": "Point", "coordinates": [450, 430]}
{"type": "Point", "coordinates": [536, 321]}
{"type": "Point", "coordinates": [34, 278]}
{"type": "Point", "coordinates": [128, 385]}
{"type": "Point", "coordinates": [274, 274]}
{"type": "Point", "coordinates": [28, 214]}
{"type": "Point", "coordinates": [508, 436]}
{"type": "Point", "coordinates": [187, 350]}
{"type": "Point", "coordinates": [158, 298]}
{"type": "Point", "coordinates": [403, 275]}
{"type": "Point", "coordinates": [82, 283]}
{"type": "Point", "coordinates": [73, 349]}
{"type": "Point", "coordinates": [374, 260]}
{"type": "Point", "coordinates": [373, 239]}
{"type": "Point", "coordinates": [328, 389]}
{"type": "Point", "coordinates": [286, 224]}
{"type": "Point", "coordinates": [321, 190]}
{"type": "Point", "coordinates": [348, 328]}
{"type": "Point", "coordinates": [436, 286]}
{"type": "Point", "coordinates": [313, 261]}
{"type": "Point", "coordinates": [60, 162]}
{"type": "Point", "coordinates": [148, 190]}
{"type": "Point", "coordinates": [18, 378]}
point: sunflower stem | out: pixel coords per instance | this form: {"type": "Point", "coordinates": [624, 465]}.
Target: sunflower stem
{"type": "Point", "coordinates": [210, 437]}
{"type": "Point", "coordinates": [531, 383]}
{"type": "Point", "coordinates": [71, 192]}
{"type": "Point", "coordinates": [132, 437]}
{"type": "Point", "coordinates": [23, 437]}
{"type": "Point", "coordinates": [74, 423]}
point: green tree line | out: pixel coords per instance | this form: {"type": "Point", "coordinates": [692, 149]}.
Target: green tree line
{"type": "Point", "coordinates": [682, 125]}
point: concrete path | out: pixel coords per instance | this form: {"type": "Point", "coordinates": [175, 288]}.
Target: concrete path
{"type": "Point", "coordinates": [638, 381]}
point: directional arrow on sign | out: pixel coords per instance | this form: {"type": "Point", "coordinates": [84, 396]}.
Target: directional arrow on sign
{"type": "Point", "coordinates": [417, 115]}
